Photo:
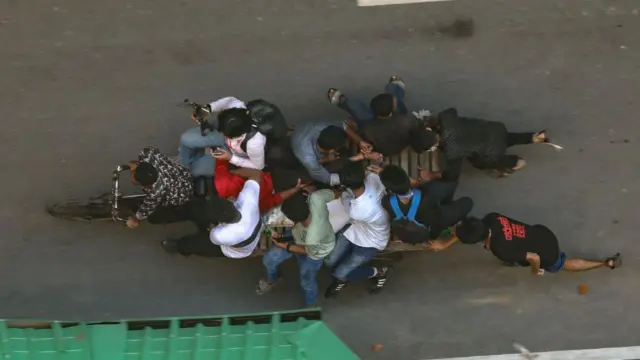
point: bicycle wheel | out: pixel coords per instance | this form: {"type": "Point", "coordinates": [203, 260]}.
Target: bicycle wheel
{"type": "Point", "coordinates": [98, 208]}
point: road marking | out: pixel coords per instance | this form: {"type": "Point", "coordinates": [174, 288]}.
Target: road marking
{"type": "Point", "coordinates": [619, 353]}
{"type": "Point", "coordinates": [393, 2]}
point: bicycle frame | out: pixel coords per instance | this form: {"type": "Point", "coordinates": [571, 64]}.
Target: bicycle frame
{"type": "Point", "coordinates": [116, 195]}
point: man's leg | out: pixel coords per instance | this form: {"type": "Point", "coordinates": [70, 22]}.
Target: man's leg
{"type": "Point", "coordinates": [339, 252]}
{"type": "Point", "coordinates": [455, 211]}
{"type": "Point", "coordinates": [192, 150]}
{"type": "Point", "coordinates": [395, 87]}
{"type": "Point", "coordinates": [576, 264]}
{"type": "Point", "coordinates": [194, 244]}
{"type": "Point", "coordinates": [360, 111]}
{"type": "Point", "coordinates": [439, 191]}
{"type": "Point", "coordinates": [169, 214]}
{"type": "Point", "coordinates": [453, 171]}
{"type": "Point", "coordinates": [308, 278]}
{"type": "Point", "coordinates": [271, 261]}
{"type": "Point", "coordinates": [351, 269]}
{"type": "Point", "coordinates": [526, 138]}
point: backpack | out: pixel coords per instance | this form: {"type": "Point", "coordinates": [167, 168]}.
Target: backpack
{"type": "Point", "coordinates": [405, 226]}
{"type": "Point", "coordinates": [267, 120]}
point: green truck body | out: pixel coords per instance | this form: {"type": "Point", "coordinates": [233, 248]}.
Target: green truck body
{"type": "Point", "coordinates": [297, 335]}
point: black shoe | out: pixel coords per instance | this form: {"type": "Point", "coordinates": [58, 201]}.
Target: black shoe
{"type": "Point", "coordinates": [378, 282]}
{"type": "Point", "coordinates": [334, 289]}
{"type": "Point", "coordinates": [170, 245]}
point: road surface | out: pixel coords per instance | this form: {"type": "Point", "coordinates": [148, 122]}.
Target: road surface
{"type": "Point", "coordinates": [86, 85]}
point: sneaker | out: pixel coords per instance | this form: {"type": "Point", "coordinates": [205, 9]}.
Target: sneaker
{"type": "Point", "coordinates": [397, 80]}
{"type": "Point", "coordinates": [378, 282]}
{"type": "Point", "coordinates": [334, 289]}
{"type": "Point", "coordinates": [170, 245]}
{"type": "Point", "coordinates": [264, 286]}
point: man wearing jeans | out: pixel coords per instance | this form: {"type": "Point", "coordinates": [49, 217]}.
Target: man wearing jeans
{"type": "Point", "coordinates": [192, 150]}
{"type": "Point", "coordinates": [313, 239]}
{"type": "Point", "coordinates": [385, 125]}
{"type": "Point", "coordinates": [363, 113]}
{"type": "Point", "coordinates": [369, 232]}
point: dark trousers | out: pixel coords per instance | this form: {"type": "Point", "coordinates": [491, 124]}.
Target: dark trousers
{"type": "Point", "coordinates": [503, 162]}
{"type": "Point", "coordinates": [198, 244]}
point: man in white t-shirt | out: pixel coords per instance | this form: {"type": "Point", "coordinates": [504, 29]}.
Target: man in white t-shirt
{"type": "Point", "coordinates": [369, 232]}
{"type": "Point", "coordinates": [246, 144]}
{"type": "Point", "coordinates": [192, 150]}
{"type": "Point", "coordinates": [233, 228]}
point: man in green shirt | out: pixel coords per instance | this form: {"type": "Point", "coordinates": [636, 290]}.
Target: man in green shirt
{"type": "Point", "coordinates": [312, 239]}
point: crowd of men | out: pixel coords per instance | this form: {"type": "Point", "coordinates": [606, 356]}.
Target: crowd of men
{"type": "Point", "coordinates": [344, 212]}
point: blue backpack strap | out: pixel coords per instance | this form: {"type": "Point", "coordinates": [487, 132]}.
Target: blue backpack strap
{"type": "Point", "coordinates": [393, 199]}
{"type": "Point", "coordinates": [415, 202]}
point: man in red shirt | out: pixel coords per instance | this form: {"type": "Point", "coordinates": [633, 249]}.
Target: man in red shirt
{"type": "Point", "coordinates": [229, 183]}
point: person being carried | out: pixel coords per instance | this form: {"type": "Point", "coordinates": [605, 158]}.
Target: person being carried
{"type": "Point", "coordinates": [516, 243]}
{"type": "Point", "coordinates": [168, 188]}
{"type": "Point", "coordinates": [320, 147]}
{"type": "Point", "coordinates": [483, 142]}
{"type": "Point", "coordinates": [420, 213]}
{"type": "Point", "coordinates": [369, 232]}
{"type": "Point", "coordinates": [226, 228]}
{"type": "Point", "coordinates": [313, 240]}
{"type": "Point", "coordinates": [392, 98]}
{"type": "Point", "coordinates": [386, 124]}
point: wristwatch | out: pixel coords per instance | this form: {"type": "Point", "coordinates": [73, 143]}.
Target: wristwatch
{"type": "Point", "coordinates": [288, 247]}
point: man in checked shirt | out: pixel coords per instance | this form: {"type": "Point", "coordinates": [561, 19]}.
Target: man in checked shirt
{"type": "Point", "coordinates": [168, 188]}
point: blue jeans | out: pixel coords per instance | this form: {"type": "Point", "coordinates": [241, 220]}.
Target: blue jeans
{"type": "Point", "coordinates": [192, 151]}
{"type": "Point", "coordinates": [308, 271]}
{"type": "Point", "coordinates": [363, 113]}
{"type": "Point", "coordinates": [346, 260]}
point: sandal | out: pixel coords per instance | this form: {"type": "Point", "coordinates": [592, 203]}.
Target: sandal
{"type": "Point", "coordinates": [335, 96]}
{"type": "Point", "coordinates": [614, 262]}
{"type": "Point", "coordinates": [397, 80]}
{"type": "Point", "coordinates": [540, 137]}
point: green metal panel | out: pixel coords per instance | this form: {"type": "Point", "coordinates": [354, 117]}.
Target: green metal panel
{"type": "Point", "coordinates": [272, 336]}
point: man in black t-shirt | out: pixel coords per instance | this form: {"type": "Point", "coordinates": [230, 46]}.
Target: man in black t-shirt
{"type": "Point", "coordinates": [517, 243]}
{"type": "Point", "coordinates": [434, 213]}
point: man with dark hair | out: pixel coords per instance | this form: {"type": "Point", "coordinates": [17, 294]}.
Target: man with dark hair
{"type": "Point", "coordinates": [381, 106]}
{"type": "Point", "coordinates": [235, 125]}
{"type": "Point", "coordinates": [483, 142]}
{"type": "Point", "coordinates": [193, 145]}
{"type": "Point", "coordinates": [319, 147]}
{"type": "Point", "coordinates": [369, 232]}
{"type": "Point", "coordinates": [420, 212]}
{"type": "Point", "coordinates": [516, 243]}
{"type": "Point", "coordinates": [233, 228]}
{"type": "Point", "coordinates": [387, 124]}
{"type": "Point", "coordinates": [166, 185]}
{"type": "Point", "coordinates": [313, 240]}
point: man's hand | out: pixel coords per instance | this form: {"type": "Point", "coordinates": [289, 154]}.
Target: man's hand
{"type": "Point", "coordinates": [436, 245]}
{"type": "Point", "coordinates": [337, 193]}
{"type": "Point", "coordinates": [374, 169]}
{"type": "Point", "coordinates": [220, 154]}
{"type": "Point", "coordinates": [426, 175]}
{"type": "Point", "coordinates": [133, 164]}
{"type": "Point", "coordinates": [277, 243]}
{"type": "Point", "coordinates": [300, 185]}
{"type": "Point", "coordinates": [309, 189]}
{"type": "Point", "coordinates": [365, 147]}
{"type": "Point", "coordinates": [373, 156]}
{"type": "Point", "coordinates": [132, 222]}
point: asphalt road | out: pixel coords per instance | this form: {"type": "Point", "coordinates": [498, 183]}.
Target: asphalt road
{"type": "Point", "coordinates": [85, 85]}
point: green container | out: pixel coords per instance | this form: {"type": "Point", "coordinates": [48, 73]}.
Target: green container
{"type": "Point", "coordinates": [271, 336]}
